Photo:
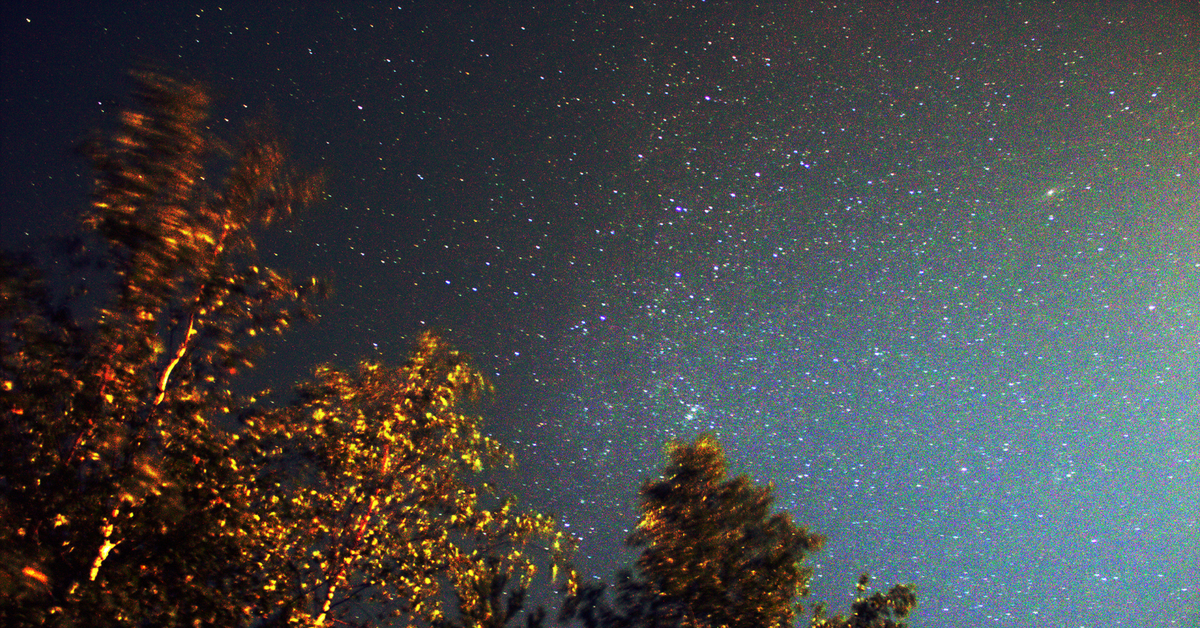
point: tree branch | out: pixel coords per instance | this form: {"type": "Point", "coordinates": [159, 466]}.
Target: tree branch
{"type": "Point", "coordinates": [218, 249]}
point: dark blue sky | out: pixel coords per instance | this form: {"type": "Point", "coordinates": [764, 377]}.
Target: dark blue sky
{"type": "Point", "coordinates": [931, 268]}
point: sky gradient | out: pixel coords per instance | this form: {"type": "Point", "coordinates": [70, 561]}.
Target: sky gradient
{"type": "Point", "coordinates": [933, 269]}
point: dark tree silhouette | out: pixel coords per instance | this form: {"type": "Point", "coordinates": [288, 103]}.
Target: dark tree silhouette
{"type": "Point", "coordinates": [712, 555]}
{"type": "Point", "coordinates": [877, 610]}
{"type": "Point", "coordinates": [712, 551]}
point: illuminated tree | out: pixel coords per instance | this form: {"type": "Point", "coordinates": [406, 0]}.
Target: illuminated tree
{"type": "Point", "coordinates": [375, 465]}
{"type": "Point", "coordinates": [114, 475]}
{"type": "Point", "coordinates": [137, 488]}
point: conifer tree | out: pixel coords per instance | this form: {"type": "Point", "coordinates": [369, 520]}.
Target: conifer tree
{"type": "Point", "coordinates": [711, 546]}
{"type": "Point", "coordinates": [712, 555]}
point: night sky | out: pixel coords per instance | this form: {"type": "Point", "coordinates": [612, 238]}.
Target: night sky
{"type": "Point", "coordinates": [931, 268]}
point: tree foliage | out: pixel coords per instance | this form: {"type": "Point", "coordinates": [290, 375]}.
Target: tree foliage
{"type": "Point", "coordinates": [711, 546]}
{"type": "Point", "coordinates": [711, 552]}
{"type": "Point", "coordinates": [877, 610]}
{"type": "Point", "coordinates": [377, 464]}
{"type": "Point", "coordinates": [137, 488]}
{"type": "Point", "coordinates": [712, 555]}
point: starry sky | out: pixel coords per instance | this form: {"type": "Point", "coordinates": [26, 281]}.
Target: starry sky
{"type": "Point", "coordinates": [931, 268]}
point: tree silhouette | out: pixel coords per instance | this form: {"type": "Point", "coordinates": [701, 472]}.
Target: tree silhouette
{"type": "Point", "coordinates": [714, 556]}
{"type": "Point", "coordinates": [137, 488]}
{"type": "Point", "coordinates": [878, 610]}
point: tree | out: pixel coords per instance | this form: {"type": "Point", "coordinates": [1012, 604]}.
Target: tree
{"type": "Point", "coordinates": [375, 465]}
{"type": "Point", "coordinates": [137, 488]}
{"type": "Point", "coordinates": [712, 547]}
{"type": "Point", "coordinates": [878, 610]}
{"type": "Point", "coordinates": [109, 411]}
{"type": "Point", "coordinates": [714, 556]}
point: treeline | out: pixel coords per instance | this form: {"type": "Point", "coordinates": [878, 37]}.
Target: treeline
{"type": "Point", "coordinates": [139, 488]}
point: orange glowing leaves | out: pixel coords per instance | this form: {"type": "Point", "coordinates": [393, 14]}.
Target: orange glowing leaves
{"type": "Point", "coordinates": [30, 572]}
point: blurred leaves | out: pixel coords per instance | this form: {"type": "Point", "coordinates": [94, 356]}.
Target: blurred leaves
{"type": "Point", "coordinates": [713, 555]}
{"type": "Point", "coordinates": [380, 464]}
{"type": "Point", "coordinates": [711, 552]}
{"type": "Point", "coordinates": [878, 610]}
{"type": "Point", "coordinates": [139, 489]}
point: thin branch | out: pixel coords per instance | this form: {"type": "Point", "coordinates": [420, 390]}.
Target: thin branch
{"type": "Point", "coordinates": [218, 249]}
{"type": "Point", "coordinates": [183, 346]}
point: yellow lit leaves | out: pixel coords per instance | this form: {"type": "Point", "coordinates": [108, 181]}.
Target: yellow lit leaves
{"type": "Point", "coordinates": [474, 461]}
{"type": "Point", "coordinates": [99, 464]}
{"type": "Point", "coordinates": [388, 495]}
